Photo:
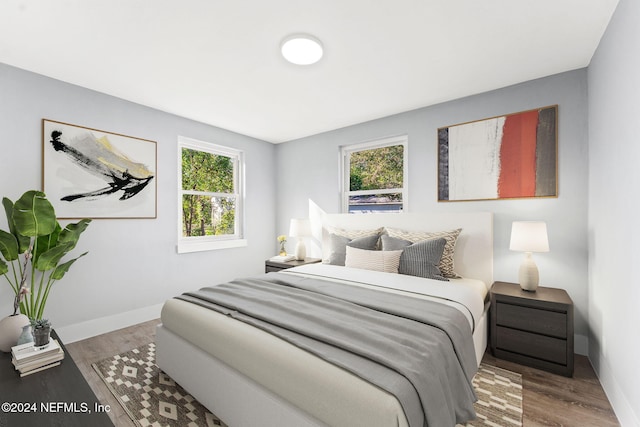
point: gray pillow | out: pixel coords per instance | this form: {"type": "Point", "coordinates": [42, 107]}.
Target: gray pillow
{"type": "Point", "coordinates": [338, 246]}
{"type": "Point", "coordinates": [418, 259]}
{"type": "Point", "coordinates": [393, 243]}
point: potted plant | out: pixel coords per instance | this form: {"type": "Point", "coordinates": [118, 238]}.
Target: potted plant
{"type": "Point", "coordinates": [33, 248]}
{"type": "Point", "coordinates": [41, 329]}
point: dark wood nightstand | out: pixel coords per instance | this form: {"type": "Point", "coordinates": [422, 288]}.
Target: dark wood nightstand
{"type": "Point", "coordinates": [532, 328]}
{"type": "Point", "coordinates": [270, 266]}
{"type": "Point", "coordinates": [58, 396]}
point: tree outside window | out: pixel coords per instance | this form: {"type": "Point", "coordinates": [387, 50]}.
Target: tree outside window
{"type": "Point", "coordinates": [210, 192]}
{"type": "Point", "coordinates": [374, 176]}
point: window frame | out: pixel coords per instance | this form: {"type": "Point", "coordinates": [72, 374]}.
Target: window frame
{"type": "Point", "coordinates": [345, 170]}
{"type": "Point", "coordinates": [206, 243]}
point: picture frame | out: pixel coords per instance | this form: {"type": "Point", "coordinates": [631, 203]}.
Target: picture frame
{"type": "Point", "coordinates": [511, 156]}
{"type": "Point", "coordinates": [91, 173]}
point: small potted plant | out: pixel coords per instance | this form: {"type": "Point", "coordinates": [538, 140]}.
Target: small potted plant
{"type": "Point", "coordinates": [41, 329]}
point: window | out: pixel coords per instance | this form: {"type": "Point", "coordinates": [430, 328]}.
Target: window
{"type": "Point", "coordinates": [375, 176]}
{"type": "Point", "coordinates": [211, 196]}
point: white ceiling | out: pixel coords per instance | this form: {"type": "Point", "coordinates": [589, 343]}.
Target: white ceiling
{"type": "Point", "coordinates": [218, 61]}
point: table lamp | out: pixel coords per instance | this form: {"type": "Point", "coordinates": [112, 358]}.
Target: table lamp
{"type": "Point", "coordinates": [300, 229]}
{"type": "Point", "coordinates": [529, 237]}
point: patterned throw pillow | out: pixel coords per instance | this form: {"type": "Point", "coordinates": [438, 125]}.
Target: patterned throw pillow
{"type": "Point", "coordinates": [446, 262]}
{"type": "Point", "coordinates": [353, 234]}
{"type": "Point", "coordinates": [419, 259]}
{"type": "Point", "coordinates": [387, 261]}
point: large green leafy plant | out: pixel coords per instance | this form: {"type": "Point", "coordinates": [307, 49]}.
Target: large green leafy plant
{"type": "Point", "coordinates": [33, 249]}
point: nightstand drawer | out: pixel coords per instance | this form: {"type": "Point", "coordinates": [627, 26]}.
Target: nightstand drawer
{"type": "Point", "coordinates": [529, 319]}
{"type": "Point", "coordinates": [530, 344]}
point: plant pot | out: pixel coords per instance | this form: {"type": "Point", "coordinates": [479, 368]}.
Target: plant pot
{"type": "Point", "coordinates": [10, 330]}
{"type": "Point", "coordinates": [41, 336]}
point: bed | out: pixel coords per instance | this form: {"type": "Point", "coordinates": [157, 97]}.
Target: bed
{"type": "Point", "coordinates": [250, 377]}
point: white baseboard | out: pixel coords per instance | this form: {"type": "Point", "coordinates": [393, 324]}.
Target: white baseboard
{"type": "Point", "coordinates": [626, 413]}
{"type": "Point", "coordinates": [94, 327]}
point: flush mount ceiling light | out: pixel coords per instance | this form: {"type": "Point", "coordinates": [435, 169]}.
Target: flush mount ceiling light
{"type": "Point", "coordinates": [301, 49]}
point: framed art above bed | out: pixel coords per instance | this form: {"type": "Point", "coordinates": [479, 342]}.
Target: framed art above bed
{"type": "Point", "coordinates": [504, 157]}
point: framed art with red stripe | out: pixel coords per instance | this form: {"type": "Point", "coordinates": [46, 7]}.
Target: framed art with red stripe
{"type": "Point", "coordinates": [505, 157]}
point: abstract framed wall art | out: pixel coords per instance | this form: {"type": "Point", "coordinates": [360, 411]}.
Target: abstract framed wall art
{"type": "Point", "coordinates": [505, 157]}
{"type": "Point", "coordinates": [90, 173]}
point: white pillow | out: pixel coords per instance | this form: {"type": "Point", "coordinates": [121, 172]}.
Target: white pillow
{"type": "Point", "coordinates": [387, 261]}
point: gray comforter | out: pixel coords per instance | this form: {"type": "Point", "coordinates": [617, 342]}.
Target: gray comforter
{"type": "Point", "coordinates": [418, 350]}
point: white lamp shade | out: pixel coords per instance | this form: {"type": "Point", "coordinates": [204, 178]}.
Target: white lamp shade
{"type": "Point", "coordinates": [300, 227]}
{"type": "Point", "coordinates": [529, 236]}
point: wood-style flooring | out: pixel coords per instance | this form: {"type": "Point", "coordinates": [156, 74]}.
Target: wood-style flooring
{"type": "Point", "coordinates": [554, 400]}
{"type": "Point", "coordinates": [548, 399]}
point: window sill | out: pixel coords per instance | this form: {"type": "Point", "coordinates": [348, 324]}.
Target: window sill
{"type": "Point", "coordinates": [188, 247]}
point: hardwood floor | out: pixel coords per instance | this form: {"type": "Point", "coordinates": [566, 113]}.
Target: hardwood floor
{"type": "Point", "coordinates": [554, 400]}
{"type": "Point", "coordinates": [548, 399]}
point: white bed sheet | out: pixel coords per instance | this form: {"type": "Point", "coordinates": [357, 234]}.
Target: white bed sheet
{"type": "Point", "coordinates": [466, 295]}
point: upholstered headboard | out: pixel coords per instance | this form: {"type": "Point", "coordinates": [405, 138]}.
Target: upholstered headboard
{"type": "Point", "coordinates": [473, 252]}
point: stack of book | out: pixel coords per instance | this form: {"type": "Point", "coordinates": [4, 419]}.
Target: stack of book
{"type": "Point", "coordinates": [29, 359]}
{"type": "Point", "coordinates": [282, 258]}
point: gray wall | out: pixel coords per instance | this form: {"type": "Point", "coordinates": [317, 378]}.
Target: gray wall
{"type": "Point", "coordinates": [131, 263]}
{"type": "Point", "coordinates": [308, 169]}
{"type": "Point", "coordinates": [614, 182]}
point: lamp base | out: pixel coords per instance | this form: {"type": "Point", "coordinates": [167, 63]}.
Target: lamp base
{"type": "Point", "coordinates": [301, 250]}
{"type": "Point", "coordinates": [528, 274]}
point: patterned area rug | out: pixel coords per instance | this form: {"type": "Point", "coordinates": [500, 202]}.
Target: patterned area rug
{"type": "Point", "coordinates": [499, 397]}
{"type": "Point", "coordinates": [152, 398]}
{"type": "Point", "coordinates": [148, 395]}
